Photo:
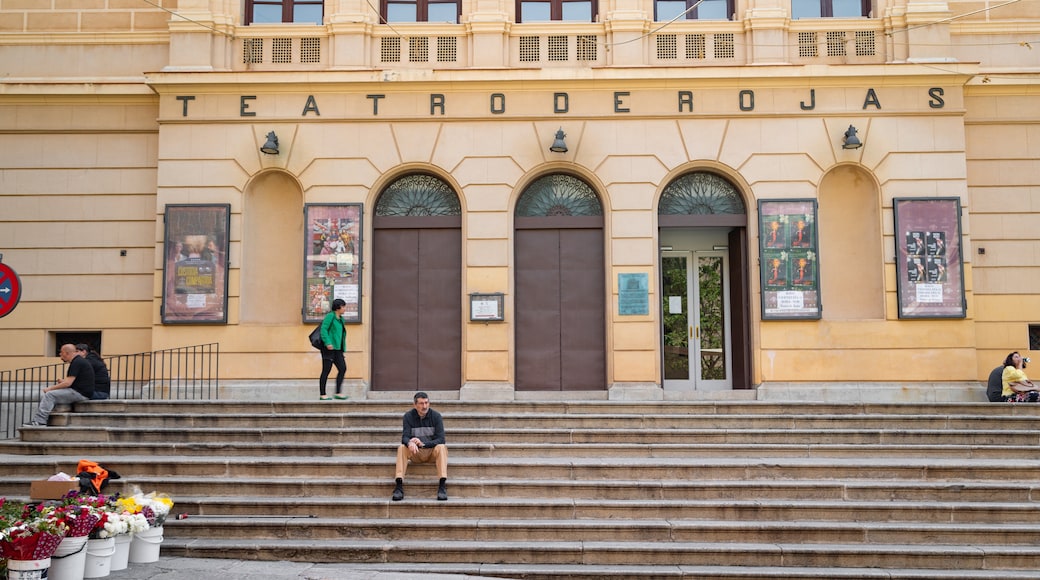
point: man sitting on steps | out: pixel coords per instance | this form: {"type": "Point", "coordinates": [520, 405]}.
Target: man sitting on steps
{"type": "Point", "coordinates": [422, 439]}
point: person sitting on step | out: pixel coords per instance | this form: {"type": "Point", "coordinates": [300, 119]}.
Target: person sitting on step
{"type": "Point", "coordinates": [422, 440]}
{"type": "Point", "coordinates": [1017, 386]}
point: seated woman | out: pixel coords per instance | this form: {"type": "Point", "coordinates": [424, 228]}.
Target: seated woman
{"type": "Point", "coordinates": [1017, 386]}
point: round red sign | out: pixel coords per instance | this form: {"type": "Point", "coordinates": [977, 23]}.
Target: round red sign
{"type": "Point", "coordinates": [10, 290]}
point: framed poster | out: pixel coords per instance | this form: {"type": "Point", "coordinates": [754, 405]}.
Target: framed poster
{"type": "Point", "coordinates": [789, 266]}
{"type": "Point", "coordinates": [195, 267]}
{"type": "Point", "coordinates": [332, 260]}
{"type": "Point", "coordinates": [929, 261]}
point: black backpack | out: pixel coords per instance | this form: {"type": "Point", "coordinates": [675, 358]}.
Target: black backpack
{"type": "Point", "coordinates": [995, 385]}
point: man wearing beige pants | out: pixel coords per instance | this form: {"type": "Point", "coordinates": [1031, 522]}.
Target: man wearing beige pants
{"type": "Point", "coordinates": [422, 441]}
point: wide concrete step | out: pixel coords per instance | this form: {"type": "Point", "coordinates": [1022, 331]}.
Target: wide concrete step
{"type": "Point", "coordinates": [490, 529]}
{"type": "Point", "coordinates": [877, 435]}
{"type": "Point", "coordinates": [420, 504]}
{"type": "Point", "coordinates": [294, 449]}
{"type": "Point", "coordinates": [652, 572]}
{"type": "Point", "coordinates": [737, 466]}
{"type": "Point", "coordinates": [347, 419]}
{"type": "Point", "coordinates": [421, 483]}
{"type": "Point", "coordinates": [569, 407]}
{"type": "Point", "coordinates": [611, 553]}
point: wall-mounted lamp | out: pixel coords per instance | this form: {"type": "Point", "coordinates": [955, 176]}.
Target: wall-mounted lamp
{"type": "Point", "coordinates": [558, 145]}
{"type": "Point", "coordinates": [851, 141]}
{"type": "Point", "coordinates": [271, 146]}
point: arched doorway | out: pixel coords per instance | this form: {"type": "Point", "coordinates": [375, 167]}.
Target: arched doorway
{"type": "Point", "coordinates": [560, 288]}
{"type": "Point", "coordinates": [705, 327]}
{"type": "Point", "coordinates": [417, 286]}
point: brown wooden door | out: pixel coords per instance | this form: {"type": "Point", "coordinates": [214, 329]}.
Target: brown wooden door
{"type": "Point", "coordinates": [417, 309]}
{"type": "Point", "coordinates": [560, 310]}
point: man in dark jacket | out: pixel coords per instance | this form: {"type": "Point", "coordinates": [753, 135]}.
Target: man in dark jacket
{"type": "Point", "coordinates": [102, 380]}
{"type": "Point", "coordinates": [422, 441]}
{"type": "Point", "coordinates": [78, 385]}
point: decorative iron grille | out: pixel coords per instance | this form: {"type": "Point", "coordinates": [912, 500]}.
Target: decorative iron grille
{"type": "Point", "coordinates": [558, 195]}
{"type": "Point", "coordinates": [418, 195]}
{"type": "Point", "coordinates": [700, 193]}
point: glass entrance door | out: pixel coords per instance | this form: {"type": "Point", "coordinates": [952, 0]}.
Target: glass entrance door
{"type": "Point", "coordinates": [696, 321]}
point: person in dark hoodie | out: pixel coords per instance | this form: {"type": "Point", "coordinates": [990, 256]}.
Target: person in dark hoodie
{"type": "Point", "coordinates": [102, 380]}
{"type": "Point", "coordinates": [422, 441]}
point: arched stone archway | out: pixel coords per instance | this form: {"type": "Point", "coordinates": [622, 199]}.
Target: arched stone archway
{"type": "Point", "coordinates": [272, 235]}
{"type": "Point", "coordinates": [417, 286]}
{"type": "Point", "coordinates": [705, 304]}
{"type": "Point", "coordinates": [850, 221]}
{"type": "Point", "coordinates": [560, 291]}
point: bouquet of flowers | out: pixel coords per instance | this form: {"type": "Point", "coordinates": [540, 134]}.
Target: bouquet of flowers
{"type": "Point", "coordinates": [111, 523]}
{"type": "Point", "coordinates": [81, 513]}
{"type": "Point", "coordinates": [29, 531]}
{"type": "Point", "coordinates": [154, 507]}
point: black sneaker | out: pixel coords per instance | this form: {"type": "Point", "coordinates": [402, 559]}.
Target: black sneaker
{"type": "Point", "coordinates": [33, 424]}
{"type": "Point", "coordinates": [442, 492]}
{"type": "Point", "coordinates": [398, 493]}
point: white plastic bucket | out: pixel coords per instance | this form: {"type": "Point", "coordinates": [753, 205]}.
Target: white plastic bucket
{"type": "Point", "coordinates": [69, 560]}
{"type": "Point", "coordinates": [27, 569]}
{"type": "Point", "coordinates": [99, 558]}
{"type": "Point", "coordinates": [145, 546]}
{"type": "Point", "coordinates": [121, 557]}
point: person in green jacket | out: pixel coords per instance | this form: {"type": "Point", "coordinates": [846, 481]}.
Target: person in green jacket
{"type": "Point", "coordinates": [334, 337]}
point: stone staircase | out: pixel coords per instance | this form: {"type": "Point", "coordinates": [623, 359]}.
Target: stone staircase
{"type": "Point", "coordinates": [575, 490]}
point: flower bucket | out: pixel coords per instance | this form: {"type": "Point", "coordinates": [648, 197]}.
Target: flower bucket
{"type": "Point", "coordinates": [145, 546]}
{"type": "Point", "coordinates": [27, 569]}
{"type": "Point", "coordinates": [69, 560]}
{"type": "Point", "coordinates": [99, 558]}
{"type": "Point", "coordinates": [121, 557]}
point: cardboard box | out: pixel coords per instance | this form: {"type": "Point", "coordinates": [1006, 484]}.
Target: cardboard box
{"type": "Point", "coordinates": [43, 489]}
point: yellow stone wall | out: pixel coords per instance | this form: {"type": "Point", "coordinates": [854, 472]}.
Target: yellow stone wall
{"type": "Point", "coordinates": [96, 145]}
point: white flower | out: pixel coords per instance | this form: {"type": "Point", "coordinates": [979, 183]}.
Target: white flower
{"type": "Point", "coordinates": [136, 523]}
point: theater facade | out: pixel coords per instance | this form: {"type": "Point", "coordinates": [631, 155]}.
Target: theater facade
{"type": "Point", "coordinates": [627, 199]}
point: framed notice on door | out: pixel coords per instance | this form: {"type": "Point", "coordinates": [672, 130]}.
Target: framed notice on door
{"type": "Point", "coordinates": [788, 261]}
{"type": "Point", "coordinates": [195, 265]}
{"type": "Point", "coordinates": [332, 260]}
{"type": "Point", "coordinates": [929, 261]}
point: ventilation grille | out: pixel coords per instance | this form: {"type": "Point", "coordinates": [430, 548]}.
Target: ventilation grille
{"type": "Point", "coordinates": [390, 49]}
{"type": "Point", "coordinates": [865, 43]}
{"type": "Point", "coordinates": [725, 46]}
{"type": "Point", "coordinates": [667, 47]}
{"type": "Point", "coordinates": [836, 44]}
{"type": "Point", "coordinates": [807, 46]}
{"type": "Point", "coordinates": [281, 50]}
{"type": "Point", "coordinates": [419, 49]}
{"type": "Point", "coordinates": [252, 50]}
{"type": "Point", "coordinates": [310, 50]}
{"type": "Point", "coordinates": [530, 50]}
{"type": "Point", "coordinates": [447, 49]}
{"type": "Point", "coordinates": [557, 49]}
{"type": "Point", "coordinates": [695, 47]}
{"type": "Point", "coordinates": [586, 48]}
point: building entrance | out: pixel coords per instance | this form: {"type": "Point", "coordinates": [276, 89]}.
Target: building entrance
{"type": "Point", "coordinates": [696, 320]}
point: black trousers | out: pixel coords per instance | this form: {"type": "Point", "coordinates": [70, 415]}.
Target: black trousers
{"type": "Point", "coordinates": [329, 358]}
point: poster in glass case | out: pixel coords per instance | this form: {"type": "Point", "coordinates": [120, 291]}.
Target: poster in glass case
{"type": "Point", "coordinates": [929, 261]}
{"type": "Point", "coordinates": [332, 260]}
{"type": "Point", "coordinates": [195, 266]}
{"type": "Point", "coordinates": [788, 259]}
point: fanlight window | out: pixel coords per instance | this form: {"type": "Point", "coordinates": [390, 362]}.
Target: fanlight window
{"type": "Point", "coordinates": [700, 193]}
{"type": "Point", "coordinates": [418, 195]}
{"type": "Point", "coordinates": [558, 195]}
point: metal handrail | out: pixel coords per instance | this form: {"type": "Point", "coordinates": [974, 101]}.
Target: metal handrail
{"type": "Point", "coordinates": [182, 373]}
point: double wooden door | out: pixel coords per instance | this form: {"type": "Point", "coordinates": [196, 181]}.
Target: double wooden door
{"type": "Point", "coordinates": [560, 309]}
{"type": "Point", "coordinates": [417, 308]}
